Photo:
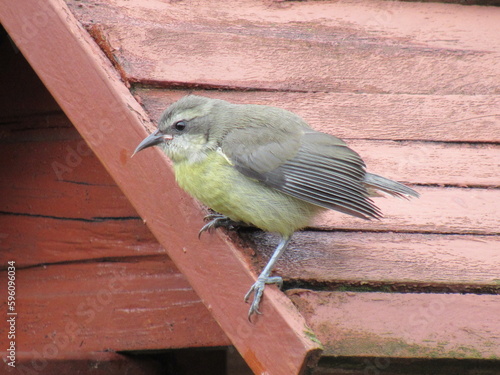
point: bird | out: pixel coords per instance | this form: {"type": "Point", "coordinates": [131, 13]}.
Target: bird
{"type": "Point", "coordinates": [264, 166]}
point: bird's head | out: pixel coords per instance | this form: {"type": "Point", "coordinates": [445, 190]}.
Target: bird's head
{"type": "Point", "coordinates": [184, 129]}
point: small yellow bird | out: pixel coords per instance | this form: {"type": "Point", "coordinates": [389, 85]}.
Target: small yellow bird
{"type": "Point", "coordinates": [264, 166]}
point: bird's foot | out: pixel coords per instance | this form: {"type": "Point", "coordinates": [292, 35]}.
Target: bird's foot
{"type": "Point", "coordinates": [257, 289]}
{"type": "Point", "coordinates": [215, 221]}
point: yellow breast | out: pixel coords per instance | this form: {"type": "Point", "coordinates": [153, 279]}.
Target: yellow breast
{"type": "Point", "coordinates": [218, 185]}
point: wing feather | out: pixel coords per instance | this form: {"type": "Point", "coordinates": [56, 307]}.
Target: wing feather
{"type": "Point", "coordinates": [317, 168]}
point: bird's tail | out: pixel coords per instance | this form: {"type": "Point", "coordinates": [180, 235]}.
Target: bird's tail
{"type": "Point", "coordinates": [375, 182]}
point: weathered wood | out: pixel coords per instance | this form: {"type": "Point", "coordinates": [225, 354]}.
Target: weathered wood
{"type": "Point", "coordinates": [125, 304]}
{"type": "Point", "coordinates": [112, 123]}
{"type": "Point", "coordinates": [375, 47]}
{"type": "Point", "coordinates": [55, 240]}
{"type": "Point", "coordinates": [410, 262]}
{"type": "Point", "coordinates": [64, 180]}
{"type": "Point", "coordinates": [433, 118]}
{"type": "Point", "coordinates": [403, 325]}
{"type": "Point", "coordinates": [425, 82]}
{"type": "Point", "coordinates": [438, 210]}
{"type": "Point", "coordinates": [458, 164]}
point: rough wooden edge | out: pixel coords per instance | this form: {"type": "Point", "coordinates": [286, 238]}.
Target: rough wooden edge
{"type": "Point", "coordinates": [399, 325]}
{"type": "Point", "coordinates": [112, 123]}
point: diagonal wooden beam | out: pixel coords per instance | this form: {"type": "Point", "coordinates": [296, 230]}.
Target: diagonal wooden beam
{"type": "Point", "coordinates": [101, 107]}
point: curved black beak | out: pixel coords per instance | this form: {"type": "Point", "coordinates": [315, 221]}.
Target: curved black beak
{"type": "Point", "coordinates": [151, 140]}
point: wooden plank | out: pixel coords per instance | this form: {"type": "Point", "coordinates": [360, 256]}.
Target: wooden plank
{"type": "Point", "coordinates": [438, 210]}
{"type": "Point", "coordinates": [126, 304]}
{"type": "Point", "coordinates": [56, 240]}
{"type": "Point", "coordinates": [64, 198]}
{"type": "Point", "coordinates": [112, 123]}
{"type": "Point", "coordinates": [458, 164]}
{"type": "Point", "coordinates": [403, 325]}
{"type": "Point", "coordinates": [446, 118]}
{"type": "Point", "coordinates": [314, 46]}
{"type": "Point", "coordinates": [66, 180]}
{"type": "Point", "coordinates": [407, 262]}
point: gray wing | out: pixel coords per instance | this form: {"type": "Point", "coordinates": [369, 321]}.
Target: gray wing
{"type": "Point", "coordinates": [312, 166]}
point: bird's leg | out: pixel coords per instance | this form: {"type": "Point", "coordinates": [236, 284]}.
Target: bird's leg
{"type": "Point", "coordinates": [264, 278]}
{"type": "Point", "coordinates": [215, 221]}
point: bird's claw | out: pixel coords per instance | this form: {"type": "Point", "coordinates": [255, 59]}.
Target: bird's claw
{"type": "Point", "coordinates": [215, 221]}
{"type": "Point", "coordinates": [258, 289]}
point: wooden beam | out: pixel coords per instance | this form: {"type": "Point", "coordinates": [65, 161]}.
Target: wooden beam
{"type": "Point", "coordinates": [102, 109]}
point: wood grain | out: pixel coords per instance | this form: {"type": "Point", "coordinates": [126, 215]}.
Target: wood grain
{"type": "Point", "coordinates": [438, 210]}
{"type": "Point", "coordinates": [415, 92]}
{"type": "Point", "coordinates": [126, 304]}
{"type": "Point", "coordinates": [403, 325]}
{"type": "Point", "coordinates": [56, 240]}
{"type": "Point", "coordinates": [322, 46]}
{"type": "Point", "coordinates": [410, 261]}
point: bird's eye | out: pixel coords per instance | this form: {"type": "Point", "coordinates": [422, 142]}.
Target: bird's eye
{"type": "Point", "coordinates": [180, 125]}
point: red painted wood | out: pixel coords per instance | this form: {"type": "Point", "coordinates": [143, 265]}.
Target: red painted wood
{"type": "Point", "coordinates": [112, 123]}
{"type": "Point", "coordinates": [438, 210]}
{"type": "Point", "coordinates": [53, 240]}
{"type": "Point", "coordinates": [125, 304]}
{"type": "Point", "coordinates": [56, 190]}
{"type": "Point", "coordinates": [65, 180]}
{"type": "Point", "coordinates": [403, 325]}
{"type": "Point", "coordinates": [375, 47]}
{"type": "Point", "coordinates": [410, 261]}
{"type": "Point", "coordinates": [408, 60]}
